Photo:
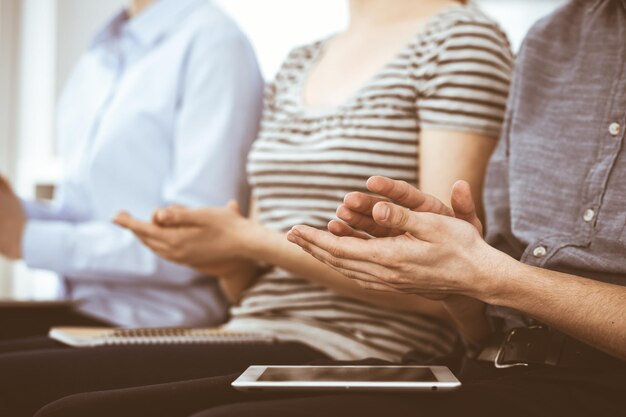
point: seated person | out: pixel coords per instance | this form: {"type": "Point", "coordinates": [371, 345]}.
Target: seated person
{"type": "Point", "coordinates": [554, 251]}
{"type": "Point", "coordinates": [416, 91]}
{"type": "Point", "coordinates": [160, 110]}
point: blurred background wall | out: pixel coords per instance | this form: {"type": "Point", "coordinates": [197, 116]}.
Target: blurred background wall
{"type": "Point", "coordinates": [40, 41]}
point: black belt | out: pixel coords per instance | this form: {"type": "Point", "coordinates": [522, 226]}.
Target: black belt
{"type": "Point", "coordinates": [539, 345]}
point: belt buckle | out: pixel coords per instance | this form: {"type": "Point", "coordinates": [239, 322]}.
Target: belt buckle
{"type": "Point", "coordinates": [497, 362]}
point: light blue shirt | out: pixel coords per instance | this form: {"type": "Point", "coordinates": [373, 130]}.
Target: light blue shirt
{"type": "Point", "coordinates": [162, 109]}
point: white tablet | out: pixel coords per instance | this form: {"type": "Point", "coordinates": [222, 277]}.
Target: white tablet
{"type": "Point", "coordinates": [342, 378]}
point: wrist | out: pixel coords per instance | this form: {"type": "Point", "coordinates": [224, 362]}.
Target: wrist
{"type": "Point", "coordinates": [251, 239]}
{"type": "Point", "coordinates": [493, 275]}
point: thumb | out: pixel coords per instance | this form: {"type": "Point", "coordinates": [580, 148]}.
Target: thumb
{"type": "Point", "coordinates": [174, 216]}
{"type": "Point", "coordinates": [5, 184]}
{"type": "Point", "coordinates": [421, 225]}
{"type": "Point", "coordinates": [159, 214]}
{"type": "Point", "coordinates": [463, 205]}
{"type": "Point", "coordinates": [234, 206]}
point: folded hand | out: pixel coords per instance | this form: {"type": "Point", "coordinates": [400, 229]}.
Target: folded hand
{"type": "Point", "coordinates": [206, 238]}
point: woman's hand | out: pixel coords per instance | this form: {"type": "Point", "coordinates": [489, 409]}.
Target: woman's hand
{"type": "Point", "coordinates": [206, 238]}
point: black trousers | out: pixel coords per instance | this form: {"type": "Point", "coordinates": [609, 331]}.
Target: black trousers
{"type": "Point", "coordinates": [37, 372]}
{"type": "Point", "coordinates": [17, 322]}
{"type": "Point", "coordinates": [486, 392]}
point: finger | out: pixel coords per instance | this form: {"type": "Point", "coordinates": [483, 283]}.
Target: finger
{"type": "Point", "coordinates": [176, 216]}
{"type": "Point", "coordinates": [339, 247]}
{"type": "Point", "coordinates": [361, 202]}
{"type": "Point", "coordinates": [125, 220]}
{"type": "Point", "coordinates": [464, 206]}
{"type": "Point", "coordinates": [365, 270]}
{"type": "Point", "coordinates": [367, 274]}
{"type": "Point", "coordinates": [157, 213]}
{"type": "Point", "coordinates": [338, 228]}
{"type": "Point", "coordinates": [362, 222]}
{"type": "Point", "coordinates": [156, 245]}
{"type": "Point", "coordinates": [404, 194]}
{"type": "Point", "coordinates": [378, 286]}
{"type": "Point", "coordinates": [234, 206]}
{"type": "Point", "coordinates": [424, 226]}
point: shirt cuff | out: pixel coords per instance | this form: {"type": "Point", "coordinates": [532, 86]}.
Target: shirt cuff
{"type": "Point", "coordinates": [30, 208]}
{"type": "Point", "coordinates": [44, 245]}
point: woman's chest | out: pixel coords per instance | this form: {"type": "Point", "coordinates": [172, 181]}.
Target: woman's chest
{"type": "Point", "coordinates": [350, 145]}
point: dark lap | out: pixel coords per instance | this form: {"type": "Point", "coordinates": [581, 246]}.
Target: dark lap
{"type": "Point", "coordinates": [33, 378]}
{"type": "Point", "coordinates": [175, 399]}
{"type": "Point", "coordinates": [30, 343]}
{"type": "Point", "coordinates": [541, 392]}
{"type": "Point", "coordinates": [18, 322]}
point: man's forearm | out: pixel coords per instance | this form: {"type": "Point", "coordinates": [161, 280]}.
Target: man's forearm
{"type": "Point", "coordinates": [591, 311]}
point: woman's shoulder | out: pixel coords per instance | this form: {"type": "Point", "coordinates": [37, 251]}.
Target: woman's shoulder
{"type": "Point", "coordinates": [466, 14]}
{"type": "Point", "coordinates": [459, 27]}
{"type": "Point", "coordinates": [297, 60]}
{"type": "Point", "coordinates": [468, 20]}
{"type": "Point", "coordinates": [304, 52]}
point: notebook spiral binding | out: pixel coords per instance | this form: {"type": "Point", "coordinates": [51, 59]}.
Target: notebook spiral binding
{"type": "Point", "coordinates": [157, 336]}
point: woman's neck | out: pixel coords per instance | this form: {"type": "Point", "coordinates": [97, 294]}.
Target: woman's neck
{"type": "Point", "coordinates": [365, 14]}
{"type": "Point", "coordinates": [138, 6]}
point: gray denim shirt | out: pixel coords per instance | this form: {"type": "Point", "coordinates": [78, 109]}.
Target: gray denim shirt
{"type": "Point", "coordinates": [556, 186]}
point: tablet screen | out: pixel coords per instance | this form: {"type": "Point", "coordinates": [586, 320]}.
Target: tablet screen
{"type": "Point", "coordinates": [359, 374]}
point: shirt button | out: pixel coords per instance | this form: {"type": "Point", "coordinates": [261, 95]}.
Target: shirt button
{"type": "Point", "coordinates": [589, 215]}
{"type": "Point", "coordinates": [540, 252]}
{"type": "Point", "coordinates": [614, 129]}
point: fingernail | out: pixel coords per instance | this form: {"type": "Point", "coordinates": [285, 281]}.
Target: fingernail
{"type": "Point", "coordinates": [295, 232]}
{"type": "Point", "coordinates": [385, 212]}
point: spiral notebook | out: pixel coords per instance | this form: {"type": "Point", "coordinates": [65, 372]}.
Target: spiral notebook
{"type": "Point", "coordinates": [106, 336]}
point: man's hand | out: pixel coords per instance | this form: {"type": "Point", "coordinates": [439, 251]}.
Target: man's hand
{"type": "Point", "coordinates": [360, 222]}
{"type": "Point", "coordinates": [12, 222]}
{"type": "Point", "coordinates": [356, 210]}
{"type": "Point", "coordinates": [435, 254]}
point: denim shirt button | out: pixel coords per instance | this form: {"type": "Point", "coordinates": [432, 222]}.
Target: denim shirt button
{"type": "Point", "coordinates": [614, 129]}
{"type": "Point", "coordinates": [540, 252]}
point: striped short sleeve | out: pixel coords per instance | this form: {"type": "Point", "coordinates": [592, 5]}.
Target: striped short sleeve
{"type": "Point", "coordinates": [463, 81]}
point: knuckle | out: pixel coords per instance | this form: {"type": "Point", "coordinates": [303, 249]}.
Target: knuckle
{"type": "Point", "coordinates": [403, 217]}
{"type": "Point", "coordinates": [344, 213]}
{"type": "Point", "coordinates": [394, 277]}
{"type": "Point", "coordinates": [335, 251]}
{"type": "Point", "coordinates": [404, 190]}
{"type": "Point", "coordinates": [331, 260]}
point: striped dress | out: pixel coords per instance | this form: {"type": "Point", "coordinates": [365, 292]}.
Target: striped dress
{"type": "Point", "coordinates": [453, 75]}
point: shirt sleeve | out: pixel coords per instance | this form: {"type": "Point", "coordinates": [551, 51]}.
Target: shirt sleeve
{"type": "Point", "coordinates": [217, 119]}
{"type": "Point", "coordinates": [99, 251]}
{"type": "Point", "coordinates": [39, 210]}
{"type": "Point", "coordinates": [465, 83]}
